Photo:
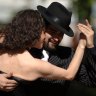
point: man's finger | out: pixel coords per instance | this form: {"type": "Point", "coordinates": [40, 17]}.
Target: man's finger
{"type": "Point", "coordinates": [8, 75]}
{"type": "Point", "coordinates": [87, 23]}
{"type": "Point", "coordinates": [7, 89]}
{"type": "Point", "coordinates": [10, 81]}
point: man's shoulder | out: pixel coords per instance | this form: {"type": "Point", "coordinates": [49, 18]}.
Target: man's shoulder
{"type": "Point", "coordinates": [62, 52]}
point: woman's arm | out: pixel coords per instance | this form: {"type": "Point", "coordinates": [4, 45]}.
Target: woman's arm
{"type": "Point", "coordinates": [46, 70]}
{"type": "Point", "coordinates": [69, 74]}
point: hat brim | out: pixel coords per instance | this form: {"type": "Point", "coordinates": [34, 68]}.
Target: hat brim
{"type": "Point", "coordinates": [42, 10]}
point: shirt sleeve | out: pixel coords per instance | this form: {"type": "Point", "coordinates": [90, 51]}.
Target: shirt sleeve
{"type": "Point", "coordinates": [87, 71]}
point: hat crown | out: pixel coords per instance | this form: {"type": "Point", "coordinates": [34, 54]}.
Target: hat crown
{"type": "Point", "coordinates": [60, 14]}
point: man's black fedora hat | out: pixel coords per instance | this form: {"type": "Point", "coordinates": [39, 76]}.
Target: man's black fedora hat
{"type": "Point", "coordinates": [57, 15]}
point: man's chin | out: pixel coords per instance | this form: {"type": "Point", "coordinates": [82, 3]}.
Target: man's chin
{"type": "Point", "coordinates": [52, 46]}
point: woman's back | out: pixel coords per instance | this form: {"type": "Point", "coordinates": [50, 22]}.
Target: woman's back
{"type": "Point", "coordinates": [18, 64]}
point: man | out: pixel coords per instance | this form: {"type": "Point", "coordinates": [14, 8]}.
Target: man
{"type": "Point", "coordinates": [60, 56]}
{"type": "Point", "coordinates": [58, 19]}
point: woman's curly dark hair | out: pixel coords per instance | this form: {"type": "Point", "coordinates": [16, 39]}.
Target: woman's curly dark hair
{"type": "Point", "coordinates": [23, 32]}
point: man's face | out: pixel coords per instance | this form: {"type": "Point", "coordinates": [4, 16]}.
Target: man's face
{"type": "Point", "coordinates": [52, 39]}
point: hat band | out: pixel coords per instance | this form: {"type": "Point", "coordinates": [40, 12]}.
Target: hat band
{"type": "Point", "coordinates": [56, 20]}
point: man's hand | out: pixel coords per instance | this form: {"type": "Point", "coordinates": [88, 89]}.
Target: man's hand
{"type": "Point", "coordinates": [88, 32]}
{"type": "Point", "coordinates": [7, 84]}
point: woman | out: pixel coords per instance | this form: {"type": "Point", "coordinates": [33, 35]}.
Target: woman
{"type": "Point", "coordinates": [24, 32]}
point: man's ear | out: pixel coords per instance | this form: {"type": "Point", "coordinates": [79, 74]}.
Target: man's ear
{"type": "Point", "coordinates": [66, 41]}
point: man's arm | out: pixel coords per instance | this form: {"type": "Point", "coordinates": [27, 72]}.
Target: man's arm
{"type": "Point", "coordinates": [87, 72]}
